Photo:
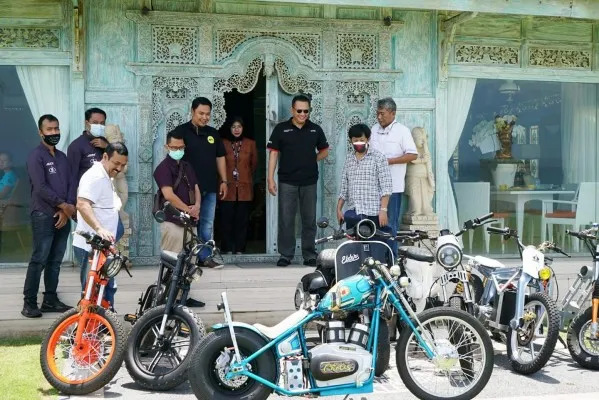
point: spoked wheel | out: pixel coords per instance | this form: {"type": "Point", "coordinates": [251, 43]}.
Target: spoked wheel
{"type": "Point", "coordinates": [80, 370]}
{"type": "Point", "coordinates": [210, 363]}
{"type": "Point", "coordinates": [530, 347]}
{"type": "Point", "coordinates": [463, 360]}
{"type": "Point", "coordinates": [161, 363]}
{"type": "Point", "coordinates": [583, 347]}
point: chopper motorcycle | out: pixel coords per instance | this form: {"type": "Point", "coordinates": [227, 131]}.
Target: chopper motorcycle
{"type": "Point", "coordinates": [238, 360]}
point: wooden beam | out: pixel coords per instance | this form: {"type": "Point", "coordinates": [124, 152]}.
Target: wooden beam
{"type": "Point", "coordinates": [582, 9]}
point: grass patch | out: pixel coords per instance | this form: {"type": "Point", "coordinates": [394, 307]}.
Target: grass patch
{"type": "Point", "coordinates": [20, 372]}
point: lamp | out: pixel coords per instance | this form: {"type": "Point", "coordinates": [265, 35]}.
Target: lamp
{"type": "Point", "coordinates": [509, 88]}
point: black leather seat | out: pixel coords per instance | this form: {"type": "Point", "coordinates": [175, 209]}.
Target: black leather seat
{"type": "Point", "coordinates": [326, 258]}
{"type": "Point", "coordinates": [169, 257]}
{"type": "Point", "coordinates": [416, 253]}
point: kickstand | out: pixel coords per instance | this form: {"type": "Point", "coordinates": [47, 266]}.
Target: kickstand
{"type": "Point", "coordinates": [561, 340]}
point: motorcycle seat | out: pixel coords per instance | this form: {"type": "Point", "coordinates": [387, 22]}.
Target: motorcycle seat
{"type": "Point", "coordinates": [488, 262]}
{"type": "Point", "coordinates": [416, 253]}
{"type": "Point", "coordinates": [273, 332]}
{"type": "Point", "coordinates": [170, 257]}
{"type": "Point", "coordinates": [326, 258]}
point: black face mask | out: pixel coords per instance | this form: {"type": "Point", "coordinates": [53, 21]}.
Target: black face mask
{"type": "Point", "coordinates": [51, 140]}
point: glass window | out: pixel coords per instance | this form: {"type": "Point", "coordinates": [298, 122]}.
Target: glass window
{"type": "Point", "coordinates": [528, 153]}
{"type": "Point", "coordinates": [18, 136]}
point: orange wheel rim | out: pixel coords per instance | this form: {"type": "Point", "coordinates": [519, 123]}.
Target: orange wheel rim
{"type": "Point", "coordinates": [76, 365]}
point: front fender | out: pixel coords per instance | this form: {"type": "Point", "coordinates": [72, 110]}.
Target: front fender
{"type": "Point", "coordinates": [242, 325]}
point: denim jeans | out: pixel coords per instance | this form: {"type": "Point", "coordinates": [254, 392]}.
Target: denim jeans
{"type": "Point", "coordinates": [82, 257]}
{"type": "Point", "coordinates": [393, 210]}
{"type": "Point", "coordinates": [206, 222]}
{"type": "Point", "coordinates": [49, 245]}
{"type": "Point", "coordinates": [351, 219]}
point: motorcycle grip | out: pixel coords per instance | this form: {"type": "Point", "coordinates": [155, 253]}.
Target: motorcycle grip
{"type": "Point", "coordinates": [483, 218]}
{"type": "Point", "coordinates": [502, 231]}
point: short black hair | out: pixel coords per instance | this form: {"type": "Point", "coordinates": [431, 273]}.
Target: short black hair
{"type": "Point", "coordinates": [238, 119]}
{"type": "Point", "coordinates": [301, 97]}
{"type": "Point", "coordinates": [94, 110]}
{"type": "Point", "coordinates": [201, 101]}
{"type": "Point", "coordinates": [174, 134]}
{"type": "Point", "coordinates": [46, 117]}
{"type": "Point", "coordinates": [358, 130]}
{"type": "Point", "coordinates": [116, 147]}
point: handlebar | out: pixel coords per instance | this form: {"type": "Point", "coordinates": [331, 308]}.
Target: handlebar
{"type": "Point", "coordinates": [94, 240]}
{"type": "Point", "coordinates": [475, 223]}
{"type": "Point", "coordinates": [584, 235]}
{"type": "Point", "coordinates": [175, 212]}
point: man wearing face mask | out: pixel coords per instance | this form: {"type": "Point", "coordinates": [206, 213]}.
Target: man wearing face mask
{"type": "Point", "coordinates": [98, 204]}
{"type": "Point", "coordinates": [51, 208]}
{"type": "Point", "coordinates": [365, 182]}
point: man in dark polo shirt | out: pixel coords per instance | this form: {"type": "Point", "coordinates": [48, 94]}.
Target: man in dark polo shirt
{"type": "Point", "coordinates": [299, 144]}
{"type": "Point", "coordinates": [205, 151]}
{"type": "Point", "coordinates": [177, 182]}
{"type": "Point", "coordinates": [52, 205]}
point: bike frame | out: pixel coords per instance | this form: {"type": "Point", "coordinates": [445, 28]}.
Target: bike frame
{"type": "Point", "coordinates": [384, 291]}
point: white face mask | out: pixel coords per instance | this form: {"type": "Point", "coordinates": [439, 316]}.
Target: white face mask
{"type": "Point", "coordinates": [96, 130]}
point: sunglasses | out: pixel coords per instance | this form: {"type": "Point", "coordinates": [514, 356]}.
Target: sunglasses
{"type": "Point", "coordinates": [301, 111]}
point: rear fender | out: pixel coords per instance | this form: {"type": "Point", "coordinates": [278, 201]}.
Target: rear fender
{"type": "Point", "coordinates": [242, 325]}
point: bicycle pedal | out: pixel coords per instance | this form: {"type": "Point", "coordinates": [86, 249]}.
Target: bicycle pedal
{"type": "Point", "coordinates": [130, 318]}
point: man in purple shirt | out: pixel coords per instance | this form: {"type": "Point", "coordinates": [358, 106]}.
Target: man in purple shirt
{"type": "Point", "coordinates": [52, 205]}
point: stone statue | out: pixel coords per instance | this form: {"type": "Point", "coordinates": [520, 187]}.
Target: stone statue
{"type": "Point", "coordinates": [420, 181]}
{"type": "Point", "coordinates": [113, 134]}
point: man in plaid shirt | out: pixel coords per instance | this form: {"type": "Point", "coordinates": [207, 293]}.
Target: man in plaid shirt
{"type": "Point", "coordinates": [365, 182]}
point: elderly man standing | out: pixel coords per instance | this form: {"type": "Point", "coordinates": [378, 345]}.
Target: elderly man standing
{"type": "Point", "coordinates": [51, 208]}
{"type": "Point", "coordinates": [395, 141]}
{"type": "Point", "coordinates": [98, 204]}
{"type": "Point", "coordinates": [297, 144]}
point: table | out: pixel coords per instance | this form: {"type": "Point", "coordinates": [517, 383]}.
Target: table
{"type": "Point", "coordinates": [520, 197]}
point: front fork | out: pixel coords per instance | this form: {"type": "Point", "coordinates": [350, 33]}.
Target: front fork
{"type": "Point", "coordinates": [595, 303]}
{"type": "Point", "coordinates": [523, 282]}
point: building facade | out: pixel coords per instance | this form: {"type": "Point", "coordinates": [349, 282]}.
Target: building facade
{"type": "Point", "coordinates": [450, 72]}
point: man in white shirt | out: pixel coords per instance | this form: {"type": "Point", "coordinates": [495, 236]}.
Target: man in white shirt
{"type": "Point", "coordinates": [98, 204]}
{"type": "Point", "coordinates": [395, 141]}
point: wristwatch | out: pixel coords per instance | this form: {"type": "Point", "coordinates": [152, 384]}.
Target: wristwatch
{"type": "Point", "coordinates": [384, 209]}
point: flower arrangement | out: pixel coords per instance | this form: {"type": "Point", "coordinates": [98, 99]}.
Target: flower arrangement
{"type": "Point", "coordinates": [487, 134]}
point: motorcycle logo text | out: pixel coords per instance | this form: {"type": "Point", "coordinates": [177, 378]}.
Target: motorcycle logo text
{"type": "Point", "coordinates": [349, 258]}
{"type": "Point", "coordinates": [337, 367]}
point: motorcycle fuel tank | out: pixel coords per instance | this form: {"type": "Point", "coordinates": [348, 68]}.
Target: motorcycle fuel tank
{"type": "Point", "coordinates": [347, 294]}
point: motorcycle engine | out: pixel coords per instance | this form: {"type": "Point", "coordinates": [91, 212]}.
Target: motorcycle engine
{"type": "Point", "coordinates": [339, 363]}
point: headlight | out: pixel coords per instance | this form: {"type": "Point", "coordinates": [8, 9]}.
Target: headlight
{"type": "Point", "coordinates": [449, 256]}
{"type": "Point", "coordinates": [113, 265]}
{"type": "Point", "coordinates": [194, 273]}
{"type": "Point", "coordinates": [545, 273]}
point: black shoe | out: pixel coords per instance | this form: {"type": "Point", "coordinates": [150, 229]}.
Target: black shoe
{"type": "Point", "coordinates": [194, 303]}
{"type": "Point", "coordinates": [310, 263]}
{"type": "Point", "coordinates": [55, 306]}
{"type": "Point", "coordinates": [210, 263]}
{"type": "Point", "coordinates": [31, 311]}
{"type": "Point", "coordinates": [283, 262]}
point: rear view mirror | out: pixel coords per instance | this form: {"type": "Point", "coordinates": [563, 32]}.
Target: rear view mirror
{"type": "Point", "coordinates": [323, 222]}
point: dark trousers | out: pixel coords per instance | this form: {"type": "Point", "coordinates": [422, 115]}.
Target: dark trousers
{"type": "Point", "coordinates": [234, 217]}
{"type": "Point", "coordinates": [289, 198]}
{"type": "Point", "coordinates": [49, 245]}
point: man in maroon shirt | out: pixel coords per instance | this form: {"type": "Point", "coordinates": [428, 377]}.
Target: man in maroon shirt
{"type": "Point", "coordinates": [178, 184]}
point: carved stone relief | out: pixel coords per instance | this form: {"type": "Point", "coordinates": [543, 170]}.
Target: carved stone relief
{"type": "Point", "coordinates": [298, 83]}
{"type": "Point", "coordinates": [477, 54]}
{"type": "Point", "coordinates": [307, 44]}
{"type": "Point", "coordinates": [559, 58]}
{"type": "Point", "coordinates": [169, 88]}
{"type": "Point", "coordinates": [175, 45]}
{"type": "Point", "coordinates": [357, 51]}
{"type": "Point", "coordinates": [29, 38]}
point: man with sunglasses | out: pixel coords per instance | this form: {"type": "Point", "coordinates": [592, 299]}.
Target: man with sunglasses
{"type": "Point", "coordinates": [297, 145]}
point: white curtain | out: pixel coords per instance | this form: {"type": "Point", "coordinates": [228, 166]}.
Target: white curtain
{"type": "Point", "coordinates": [579, 132]}
{"type": "Point", "coordinates": [48, 89]}
{"type": "Point", "coordinates": [459, 97]}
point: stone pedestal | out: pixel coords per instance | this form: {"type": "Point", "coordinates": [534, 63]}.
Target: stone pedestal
{"type": "Point", "coordinates": [427, 223]}
{"type": "Point", "coordinates": [123, 244]}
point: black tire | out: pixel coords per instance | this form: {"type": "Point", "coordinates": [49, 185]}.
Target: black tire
{"type": "Point", "coordinates": [148, 299]}
{"type": "Point", "coordinates": [549, 345]}
{"type": "Point", "coordinates": [468, 321]}
{"type": "Point", "coordinates": [476, 284]}
{"type": "Point", "coordinates": [205, 383]}
{"type": "Point", "coordinates": [457, 302]}
{"type": "Point", "coordinates": [138, 339]}
{"type": "Point", "coordinates": [108, 370]}
{"type": "Point", "coordinates": [578, 353]}
{"type": "Point", "coordinates": [383, 349]}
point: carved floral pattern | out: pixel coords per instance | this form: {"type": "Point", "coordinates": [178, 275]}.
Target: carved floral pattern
{"type": "Point", "coordinates": [558, 58]}
{"type": "Point", "coordinates": [299, 84]}
{"type": "Point", "coordinates": [307, 44]}
{"type": "Point", "coordinates": [161, 86]}
{"type": "Point", "coordinates": [476, 54]}
{"type": "Point", "coordinates": [175, 44]}
{"type": "Point", "coordinates": [356, 51]}
{"type": "Point", "coordinates": [174, 120]}
{"type": "Point", "coordinates": [29, 38]}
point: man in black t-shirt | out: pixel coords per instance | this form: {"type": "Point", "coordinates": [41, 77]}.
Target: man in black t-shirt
{"type": "Point", "coordinates": [299, 144]}
{"type": "Point", "coordinates": [205, 151]}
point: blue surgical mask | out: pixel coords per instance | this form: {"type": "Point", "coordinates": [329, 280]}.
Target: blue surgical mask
{"type": "Point", "coordinates": [176, 154]}
{"type": "Point", "coordinates": [96, 130]}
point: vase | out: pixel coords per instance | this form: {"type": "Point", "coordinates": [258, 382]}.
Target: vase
{"type": "Point", "coordinates": [503, 174]}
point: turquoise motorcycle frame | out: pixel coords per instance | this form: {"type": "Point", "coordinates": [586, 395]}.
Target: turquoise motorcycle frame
{"type": "Point", "coordinates": [384, 291]}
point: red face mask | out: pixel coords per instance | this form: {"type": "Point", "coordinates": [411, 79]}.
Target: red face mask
{"type": "Point", "coordinates": [360, 147]}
